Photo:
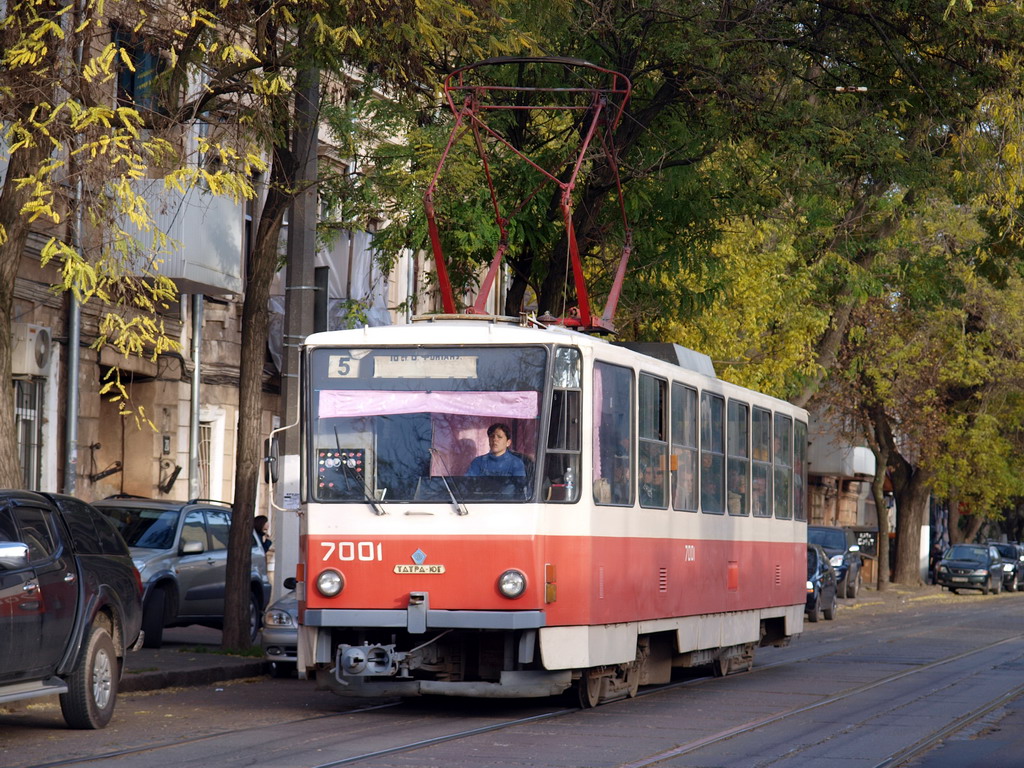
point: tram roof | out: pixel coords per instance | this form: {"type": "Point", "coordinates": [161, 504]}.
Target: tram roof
{"type": "Point", "coordinates": [477, 329]}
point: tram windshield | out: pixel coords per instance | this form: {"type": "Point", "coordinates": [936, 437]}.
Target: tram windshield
{"type": "Point", "coordinates": [407, 424]}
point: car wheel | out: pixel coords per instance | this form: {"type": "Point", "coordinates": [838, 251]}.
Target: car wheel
{"type": "Point", "coordinates": [853, 587]}
{"type": "Point", "coordinates": [987, 586]}
{"type": "Point", "coordinates": [953, 591]}
{"type": "Point", "coordinates": [814, 612]}
{"type": "Point", "coordinates": [997, 585]}
{"type": "Point", "coordinates": [830, 611]}
{"type": "Point", "coordinates": [1014, 585]}
{"type": "Point", "coordinates": [92, 685]}
{"type": "Point", "coordinates": [153, 616]}
{"type": "Point", "coordinates": [254, 617]}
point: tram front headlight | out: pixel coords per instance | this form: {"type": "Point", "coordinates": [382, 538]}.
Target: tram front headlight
{"type": "Point", "coordinates": [512, 583]}
{"type": "Point", "coordinates": [330, 583]}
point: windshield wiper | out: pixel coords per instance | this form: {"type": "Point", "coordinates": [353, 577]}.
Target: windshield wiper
{"type": "Point", "coordinates": [360, 482]}
{"type": "Point", "coordinates": [460, 508]}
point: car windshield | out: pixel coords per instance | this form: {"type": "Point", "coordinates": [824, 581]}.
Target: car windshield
{"type": "Point", "coordinates": [142, 527]}
{"type": "Point", "coordinates": [405, 424]}
{"type": "Point", "coordinates": [964, 552]}
{"type": "Point", "coordinates": [812, 561]}
{"type": "Point", "coordinates": [826, 538]}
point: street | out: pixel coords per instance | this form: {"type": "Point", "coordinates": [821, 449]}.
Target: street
{"type": "Point", "coordinates": [883, 678]}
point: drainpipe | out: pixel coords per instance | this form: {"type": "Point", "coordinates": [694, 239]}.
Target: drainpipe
{"type": "Point", "coordinates": [74, 330]}
{"type": "Point", "coordinates": [193, 431]}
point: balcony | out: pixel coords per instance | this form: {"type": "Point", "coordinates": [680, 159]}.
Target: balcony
{"type": "Point", "coordinates": [206, 234]}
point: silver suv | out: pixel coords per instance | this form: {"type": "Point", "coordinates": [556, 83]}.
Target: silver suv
{"type": "Point", "coordinates": [181, 550]}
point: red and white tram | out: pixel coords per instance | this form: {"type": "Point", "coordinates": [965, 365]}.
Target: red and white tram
{"type": "Point", "coordinates": [660, 520]}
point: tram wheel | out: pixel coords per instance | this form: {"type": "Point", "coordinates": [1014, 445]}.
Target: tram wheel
{"type": "Point", "coordinates": [589, 688]}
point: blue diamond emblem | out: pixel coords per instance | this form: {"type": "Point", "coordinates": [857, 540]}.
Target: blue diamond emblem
{"type": "Point", "coordinates": [419, 556]}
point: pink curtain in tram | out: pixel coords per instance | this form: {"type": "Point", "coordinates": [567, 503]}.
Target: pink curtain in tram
{"type": "Point", "coordinates": [338, 403]}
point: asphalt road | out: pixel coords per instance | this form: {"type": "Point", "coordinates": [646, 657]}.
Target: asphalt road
{"type": "Point", "coordinates": [889, 672]}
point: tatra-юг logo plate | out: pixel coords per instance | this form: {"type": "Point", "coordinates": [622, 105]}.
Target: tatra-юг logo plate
{"type": "Point", "coordinates": [419, 557]}
{"type": "Point", "coordinates": [419, 569]}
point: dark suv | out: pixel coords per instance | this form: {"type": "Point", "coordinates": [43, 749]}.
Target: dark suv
{"type": "Point", "coordinates": [70, 605]}
{"type": "Point", "coordinates": [970, 566]}
{"type": "Point", "coordinates": [1013, 564]}
{"type": "Point", "coordinates": [844, 554]}
{"type": "Point", "coordinates": [181, 550]}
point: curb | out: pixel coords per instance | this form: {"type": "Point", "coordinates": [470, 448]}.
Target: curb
{"type": "Point", "coordinates": [153, 681]}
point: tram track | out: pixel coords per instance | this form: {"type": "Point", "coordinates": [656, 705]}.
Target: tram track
{"type": "Point", "coordinates": [890, 761]}
{"type": "Point", "coordinates": [827, 645]}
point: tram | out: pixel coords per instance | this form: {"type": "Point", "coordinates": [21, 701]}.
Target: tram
{"type": "Point", "coordinates": [655, 516]}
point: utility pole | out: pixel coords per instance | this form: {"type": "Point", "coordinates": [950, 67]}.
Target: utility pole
{"type": "Point", "coordinates": [298, 317]}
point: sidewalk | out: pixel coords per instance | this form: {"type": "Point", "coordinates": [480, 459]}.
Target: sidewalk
{"type": "Point", "coordinates": [189, 656]}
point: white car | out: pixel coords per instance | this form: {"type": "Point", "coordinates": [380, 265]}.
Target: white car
{"type": "Point", "coordinates": [281, 632]}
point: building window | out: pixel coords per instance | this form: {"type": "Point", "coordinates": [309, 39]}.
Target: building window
{"type": "Point", "coordinates": [205, 452]}
{"type": "Point", "coordinates": [135, 85]}
{"type": "Point", "coordinates": [28, 426]}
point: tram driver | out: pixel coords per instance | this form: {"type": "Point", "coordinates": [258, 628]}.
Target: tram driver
{"type": "Point", "coordinates": [499, 461]}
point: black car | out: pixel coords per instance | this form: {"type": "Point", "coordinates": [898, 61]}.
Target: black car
{"type": "Point", "coordinates": [970, 566]}
{"type": "Point", "coordinates": [70, 605]}
{"type": "Point", "coordinates": [844, 553]}
{"type": "Point", "coordinates": [821, 585]}
{"type": "Point", "coordinates": [1013, 565]}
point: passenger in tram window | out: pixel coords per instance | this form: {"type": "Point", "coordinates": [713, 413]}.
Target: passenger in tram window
{"type": "Point", "coordinates": [652, 480]}
{"type": "Point", "coordinates": [737, 495]}
{"type": "Point", "coordinates": [712, 483]}
{"type": "Point", "coordinates": [499, 461]}
{"type": "Point", "coordinates": [621, 481]}
{"type": "Point", "coordinates": [761, 505]}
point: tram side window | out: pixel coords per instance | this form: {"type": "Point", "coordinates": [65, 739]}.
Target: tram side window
{"type": "Point", "coordinates": [562, 469]}
{"type": "Point", "coordinates": [613, 434]}
{"type": "Point", "coordinates": [653, 441]}
{"type": "Point", "coordinates": [738, 462]}
{"type": "Point", "coordinates": [761, 465]}
{"type": "Point", "coordinates": [783, 466]}
{"type": "Point", "coordinates": [712, 453]}
{"type": "Point", "coordinates": [684, 448]}
{"type": "Point", "coordinates": [800, 472]}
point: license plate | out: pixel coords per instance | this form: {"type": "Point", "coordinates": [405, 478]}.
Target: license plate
{"type": "Point", "coordinates": [959, 578]}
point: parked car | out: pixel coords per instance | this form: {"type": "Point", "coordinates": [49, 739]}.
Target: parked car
{"type": "Point", "coordinates": [181, 550]}
{"type": "Point", "coordinates": [70, 605]}
{"type": "Point", "coordinates": [1013, 565]}
{"type": "Point", "coordinates": [844, 553]}
{"type": "Point", "coordinates": [280, 636]}
{"type": "Point", "coordinates": [822, 585]}
{"type": "Point", "coordinates": [970, 566]}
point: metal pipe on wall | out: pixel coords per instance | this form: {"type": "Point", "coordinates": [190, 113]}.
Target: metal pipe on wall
{"type": "Point", "coordinates": [193, 430]}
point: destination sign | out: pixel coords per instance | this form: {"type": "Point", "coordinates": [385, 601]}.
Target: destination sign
{"type": "Point", "coordinates": [424, 365]}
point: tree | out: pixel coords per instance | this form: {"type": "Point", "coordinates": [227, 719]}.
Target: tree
{"type": "Point", "coordinates": [76, 155]}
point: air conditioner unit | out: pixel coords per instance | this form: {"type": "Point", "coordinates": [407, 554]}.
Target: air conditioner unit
{"type": "Point", "coordinates": [30, 350]}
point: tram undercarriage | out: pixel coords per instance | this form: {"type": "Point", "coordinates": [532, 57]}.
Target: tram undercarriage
{"type": "Point", "coordinates": [507, 664]}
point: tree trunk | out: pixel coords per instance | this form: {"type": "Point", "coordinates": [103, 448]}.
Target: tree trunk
{"type": "Point", "coordinates": [877, 492]}
{"type": "Point", "coordinates": [255, 329]}
{"type": "Point", "coordinates": [956, 536]}
{"type": "Point", "coordinates": [912, 492]}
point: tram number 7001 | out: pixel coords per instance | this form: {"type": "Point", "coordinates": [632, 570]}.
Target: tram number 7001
{"type": "Point", "coordinates": [347, 551]}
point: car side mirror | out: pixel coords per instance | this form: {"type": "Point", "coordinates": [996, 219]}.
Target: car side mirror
{"type": "Point", "coordinates": [13, 555]}
{"type": "Point", "coordinates": [192, 548]}
{"type": "Point", "coordinates": [271, 456]}
{"type": "Point", "coordinates": [289, 583]}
